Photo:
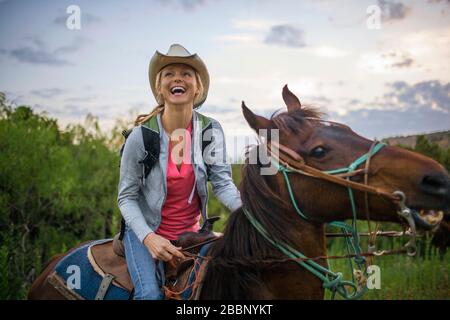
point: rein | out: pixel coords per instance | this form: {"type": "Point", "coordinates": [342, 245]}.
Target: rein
{"type": "Point", "coordinates": [285, 160]}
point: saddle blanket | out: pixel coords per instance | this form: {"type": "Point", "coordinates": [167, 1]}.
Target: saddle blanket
{"type": "Point", "coordinates": [79, 275]}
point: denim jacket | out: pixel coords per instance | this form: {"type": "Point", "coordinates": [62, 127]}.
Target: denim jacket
{"type": "Point", "coordinates": [141, 199]}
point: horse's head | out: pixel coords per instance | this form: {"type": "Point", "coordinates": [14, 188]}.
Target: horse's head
{"type": "Point", "coordinates": [327, 146]}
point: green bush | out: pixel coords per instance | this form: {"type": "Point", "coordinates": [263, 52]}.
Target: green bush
{"type": "Point", "coordinates": [57, 188]}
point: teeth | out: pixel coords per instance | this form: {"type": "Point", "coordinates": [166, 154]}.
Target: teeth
{"type": "Point", "coordinates": [178, 89]}
{"type": "Point", "coordinates": [432, 214]}
{"type": "Point", "coordinates": [428, 212]}
{"type": "Point", "coordinates": [435, 218]}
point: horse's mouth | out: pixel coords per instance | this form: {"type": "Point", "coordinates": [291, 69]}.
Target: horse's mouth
{"type": "Point", "coordinates": [428, 219]}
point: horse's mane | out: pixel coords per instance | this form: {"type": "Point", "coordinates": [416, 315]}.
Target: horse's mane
{"type": "Point", "coordinates": [235, 263]}
{"type": "Point", "coordinates": [290, 120]}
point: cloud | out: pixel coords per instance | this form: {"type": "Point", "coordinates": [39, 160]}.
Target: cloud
{"type": "Point", "coordinates": [76, 110]}
{"type": "Point", "coordinates": [72, 111]}
{"type": "Point", "coordinates": [253, 31]}
{"type": "Point", "coordinates": [285, 35]}
{"type": "Point", "coordinates": [407, 62]}
{"type": "Point", "coordinates": [386, 61]}
{"type": "Point", "coordinates": [36, 56]}
{"type": "Point", "coordinates": [329, 52]}
{"type": "Point", "coordinates": [81, 98]}
{"type": "Point", "coordinates": [431, 94]}
{"type": "Point", "coordinates": [382, 123]}
{"type": "Point", "coordinates": [317, 100]}
{"type": "Point", "coordinates": [220, 109]}
{"type": "Point", "coordinates": [77, 43]}
{"type": "Point", "coordinates": [405, 109]}
{"type": "Point", "coordinates": [47, 93]}
{"type": "Point", "coordinates": [237, 38]}
{"type": "Point", "coordinates": [7, 2]}
{"type": "Point", "coordinates": [391, 10]}
{"type": "Point", "coordinates": [398, 60]}
{"type": "Point", "coordinates": [141, 105]}
{"type": "Point", "coordinates": [38, 53]}
{"type": "Point", "coordinates": [444, 8]}
{"type": "Point", "coordinates": [252, 24]}
{"type": "Point", "coordinates": [36, 41]}
{"type": "Point", "coordinates": [187, 5]}
{"type": "Point", "coordinates": [439, 1]}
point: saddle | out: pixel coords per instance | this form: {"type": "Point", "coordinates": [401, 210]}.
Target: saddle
{"type": "Point", "coordinates": [108, 259]}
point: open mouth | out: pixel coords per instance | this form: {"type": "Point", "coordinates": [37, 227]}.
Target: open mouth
{"type": "Point", "coordinates": [427, 219]}
{"type": "Point", "coordinates": [177, 91]}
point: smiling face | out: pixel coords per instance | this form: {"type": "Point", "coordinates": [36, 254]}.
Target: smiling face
{"type": "Point", "coordinates": [178, 84]}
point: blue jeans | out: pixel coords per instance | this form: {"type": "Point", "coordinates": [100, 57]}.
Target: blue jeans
{"type": "Point", "coordinates": [146, 273]}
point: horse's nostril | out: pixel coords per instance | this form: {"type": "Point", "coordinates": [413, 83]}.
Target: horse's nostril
{"type": "Point", "coordinates": [435, 184]}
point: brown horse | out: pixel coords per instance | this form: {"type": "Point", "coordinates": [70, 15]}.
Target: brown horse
{"type": "Point", "coordinates": [243, 264]}
{"type": "Point", "coordinates": [237, 267]}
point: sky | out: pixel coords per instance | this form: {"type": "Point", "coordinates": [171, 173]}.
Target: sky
{"type": "Point", "coordinates": [380, 66]}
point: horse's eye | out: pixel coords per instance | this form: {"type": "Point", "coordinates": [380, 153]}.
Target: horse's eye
{"type": "Point", "coordinates": [318, 152]}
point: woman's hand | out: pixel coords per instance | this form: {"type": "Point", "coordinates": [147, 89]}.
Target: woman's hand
{"type": "Point", "coordinates": [161, 248]}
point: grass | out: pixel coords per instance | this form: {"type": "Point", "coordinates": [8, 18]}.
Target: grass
{"type": "Point", "coordinates": [422, 277]}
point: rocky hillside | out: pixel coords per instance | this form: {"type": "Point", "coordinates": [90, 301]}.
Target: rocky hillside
{"type": "Point", "coordinates": [441, 138]}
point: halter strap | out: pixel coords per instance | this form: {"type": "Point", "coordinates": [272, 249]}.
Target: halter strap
{"type": "Point", "coordinates": [355, 164]}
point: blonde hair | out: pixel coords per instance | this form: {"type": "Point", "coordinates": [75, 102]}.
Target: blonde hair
{"type": "Point", "coordinates": [160, 100]}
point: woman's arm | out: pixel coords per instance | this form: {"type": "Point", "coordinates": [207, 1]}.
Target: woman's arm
{"type": "Point", "coordinates": [129, 184]}
{"type": "Point", "coordinates": [220, 170]}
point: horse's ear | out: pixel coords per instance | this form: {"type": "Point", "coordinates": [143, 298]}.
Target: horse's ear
{"type": "Point", "coordinates": [256, 122]}
{"type": "Point", "coordinates": [291, 100]}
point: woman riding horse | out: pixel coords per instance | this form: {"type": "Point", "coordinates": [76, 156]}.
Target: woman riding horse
{"type": "Point", "coordinates": [274, 245]}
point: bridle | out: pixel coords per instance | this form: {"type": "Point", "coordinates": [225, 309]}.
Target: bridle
{"type": "Point", "coordinates": [286, 160]}
{"type": "Point", "coordinates": [289, 161]}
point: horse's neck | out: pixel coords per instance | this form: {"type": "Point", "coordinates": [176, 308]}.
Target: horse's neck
{"type": "Point", "coordinates": [299, 283]}
{"type": "Point", "coordinates": [296, 282]}
{"type": "Point", "coordinates": [282, 280]}
{"type": "Point", "coordinates": [309, 238]}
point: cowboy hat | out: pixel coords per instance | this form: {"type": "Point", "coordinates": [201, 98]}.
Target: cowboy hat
{"type": "Point", "coordinates": [178, 54]}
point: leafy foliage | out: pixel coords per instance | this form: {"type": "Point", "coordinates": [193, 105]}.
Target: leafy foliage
{"type": "Point", "coordinates": [58, 188]}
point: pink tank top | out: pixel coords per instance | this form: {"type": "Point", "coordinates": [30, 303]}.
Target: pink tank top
{"type": "Point", "coordinates": [177, 214]}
